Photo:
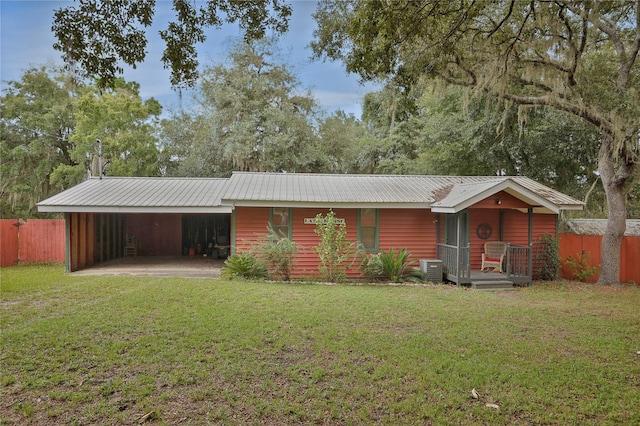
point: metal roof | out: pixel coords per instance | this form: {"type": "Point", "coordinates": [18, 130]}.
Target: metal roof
{"type": "Point", "coordinates": [184, 195]}
{"type": "Point", "coordinates": [269, 189]}
{"type": "Point", "coordinates": [542, 198]}
{"type": "Point", "coordinates": [140, 194]}
{"type": "Point", "coordinates": [247, 188]}
{"type": "Point", "coordinates": [598, 226]}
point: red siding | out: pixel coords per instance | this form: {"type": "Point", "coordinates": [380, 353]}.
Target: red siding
{"type": "Point", "coordinates": [307, 260]}
{"type": "Point", "coordinates": [515, 229]}
{"type": "Point", "coordinates": [41, 240]}
{"type": "Point", "coordinates": [476, 217]}
{"type": "Point", "coordinates": [506, 201]}
{"type": "Point", "coordinates": [249, 222]}
{"type": "Point", "coordinates": [414, 230]}
{"type": "Point", "coordinates": [544, 224]}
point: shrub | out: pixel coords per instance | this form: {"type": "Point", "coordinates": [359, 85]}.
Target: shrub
{"type": "Point", "coordinates": [334, 249]}
{"type": "Point", "coordinates": [397, 267]}
{"type": "Point", "coordinates": [370, 265]}
{"type": "Point", "coordinates": [243, 265]}
{"type": "Point", "coordinates": [277, 253]}
{"type": "Point", "coordinates": [578, 266]}
{"type": "Point", "coordinates": [546, 262]}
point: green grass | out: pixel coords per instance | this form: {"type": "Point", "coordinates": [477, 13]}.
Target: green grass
{"type": "Point", "coordinates": [128, 350]}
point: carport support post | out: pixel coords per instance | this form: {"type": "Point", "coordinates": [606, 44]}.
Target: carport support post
{"type": "Point", "coordinates": [67, 240]}
{"type": "Point", "coordinates": [459, 248]}
{"type": "Point", "coordinates": [530, 261]}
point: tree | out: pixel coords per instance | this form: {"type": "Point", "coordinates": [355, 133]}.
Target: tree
{"type": "Point", "coordinates": [189, 147]}
{"type": "Point", "coordinates": [341, 136]}
{"type": "Point", "coordinates": [254, 118]}
{"type": "Point", "coordinates": [121, 121]}
{"type": "Point", "coordinates": [574, 56]}
{"type": "Point", "coordinates": [482, 138]}
{"type": "Point", "coordinates": [100, 35]}
{"type": "Point", "coordinates": [36, 121]}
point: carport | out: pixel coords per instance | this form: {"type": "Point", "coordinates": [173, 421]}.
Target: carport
{"type": "Point", "coordinates": [159, 266]}
{"type": "Point", "coordinates": [169, 217]}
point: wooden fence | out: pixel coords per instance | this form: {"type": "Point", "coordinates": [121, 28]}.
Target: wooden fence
{"type": "Point", "coordinates": [588, 247]}
{"type": "Point", "coordinates": [34, 240]}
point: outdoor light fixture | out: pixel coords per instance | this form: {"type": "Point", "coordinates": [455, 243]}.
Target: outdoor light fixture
{"type": "Point", "coordinates": [498, 201]}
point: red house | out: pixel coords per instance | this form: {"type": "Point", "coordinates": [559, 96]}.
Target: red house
{"type": "Point", "coordinates": [446, 219]}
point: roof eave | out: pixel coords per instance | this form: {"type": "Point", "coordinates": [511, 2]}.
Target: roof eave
{"type": "Point", "coordinates": [134, 209]}
{"type": "Point", "coordinates": [572, 207]}
{"type": "Point", "coordinates": [329, 204]}
{"type": "Point", "coordinates": [512, 188]}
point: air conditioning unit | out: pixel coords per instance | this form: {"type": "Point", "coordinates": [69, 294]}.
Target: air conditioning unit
{"type": "Point", "coordinates": [432, 268]}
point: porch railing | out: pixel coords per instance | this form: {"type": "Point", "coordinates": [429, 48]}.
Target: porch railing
{"type": "Point", "coordinates": [519, 261]}
{"type": "Point", "coordinates": [454, 263]}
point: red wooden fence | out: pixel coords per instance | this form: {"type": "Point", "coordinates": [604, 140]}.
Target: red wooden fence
{"type": "Point", "coordinates": [589, 246]}
{"type": "Point", "coordinates": [34, 240]}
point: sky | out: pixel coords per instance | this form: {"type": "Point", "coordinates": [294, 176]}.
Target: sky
{"type": "Point", "coordinates": [26, 41]}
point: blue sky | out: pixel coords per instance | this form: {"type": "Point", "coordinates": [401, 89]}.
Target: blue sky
{"type": "Point", "coordinates": [26, 40]}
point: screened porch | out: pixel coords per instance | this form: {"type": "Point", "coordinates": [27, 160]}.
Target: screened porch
{"type": "Point", "coordinates": [517, 267]}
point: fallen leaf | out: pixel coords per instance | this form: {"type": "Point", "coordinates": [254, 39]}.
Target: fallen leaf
{"type": "Point", "coordinates": [474, 394]}
{"type": "Point", "coordinates": [490, 405]}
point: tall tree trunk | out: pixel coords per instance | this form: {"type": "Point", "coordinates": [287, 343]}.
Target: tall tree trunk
{"type": "Point", "coordinates": [616, 213]}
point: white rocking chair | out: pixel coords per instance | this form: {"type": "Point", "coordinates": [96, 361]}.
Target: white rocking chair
{"type": "Point", "coordinates": [493, 256]}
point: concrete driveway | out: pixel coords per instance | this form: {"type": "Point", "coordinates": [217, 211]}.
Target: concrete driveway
{"type": "Point", "coordinates": [179, 266]}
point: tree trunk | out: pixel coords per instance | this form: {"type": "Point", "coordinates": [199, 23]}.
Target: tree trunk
{"type": "Point", "coordinates": [616, 214]}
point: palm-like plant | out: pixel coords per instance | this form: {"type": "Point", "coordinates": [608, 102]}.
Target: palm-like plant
{"type": "Point", "coordinates": [397, 267]}
{"type": "Point", "coordinates": [244, 265]}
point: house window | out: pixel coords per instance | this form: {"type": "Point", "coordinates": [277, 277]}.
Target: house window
{"type": "Point", "coordinates": [280, 221]}
{"type": "Point", "coordinates": [368, 228]}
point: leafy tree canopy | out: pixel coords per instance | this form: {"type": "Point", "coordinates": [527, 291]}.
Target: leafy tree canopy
{"type": "Point", "coordinates": [101, 35]}
{"type": "Point", "coordinates": [251, 116]}
{"type": "Point", "coordinates": [36, 122]}
{"type": "Point", "coordinates": [122, 122]}
{"type": "Point", "coordinates": [574, 56]}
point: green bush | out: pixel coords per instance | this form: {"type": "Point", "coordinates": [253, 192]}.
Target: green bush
{"type": "Point", "coordinates": [397, 267]}
{"type": "Point", "coordinates": [546, 261]}
{"type": "Point", "coordinates": [277, 253]}
{"type": "Point", "coordinates": [335, 251]}
{"type": "Point", "coordinates": [244, 265]}
{"type": "Point", "coordinates": [578, 266]}
{"type": "Point", "coordinates": [371, 265]}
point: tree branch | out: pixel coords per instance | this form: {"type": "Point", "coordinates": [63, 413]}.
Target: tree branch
{"type": "Point", "coordinates": [609, 29]}
{"type": "Point", "coordinates": [503, 20]}
{"type": "Point", "coordinates": [558, 103]}
{"type": "Point", "coordinates": [537, 85]}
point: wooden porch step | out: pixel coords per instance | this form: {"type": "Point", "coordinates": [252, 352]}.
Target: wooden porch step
{"type": "Point", "coordinates": [492, 285]}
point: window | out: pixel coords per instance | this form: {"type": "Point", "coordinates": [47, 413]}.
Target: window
{"type": "Point", "coordinates": [368, 228]}
{"type": "Point", "coordinates": [280, 222]}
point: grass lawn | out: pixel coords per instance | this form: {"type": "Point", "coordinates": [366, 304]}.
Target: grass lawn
{"type": "Point", "coordinates": [131, 350]}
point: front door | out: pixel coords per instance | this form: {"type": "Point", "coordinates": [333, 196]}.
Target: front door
{"type": "Point", "coordinates": [456, 233]}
